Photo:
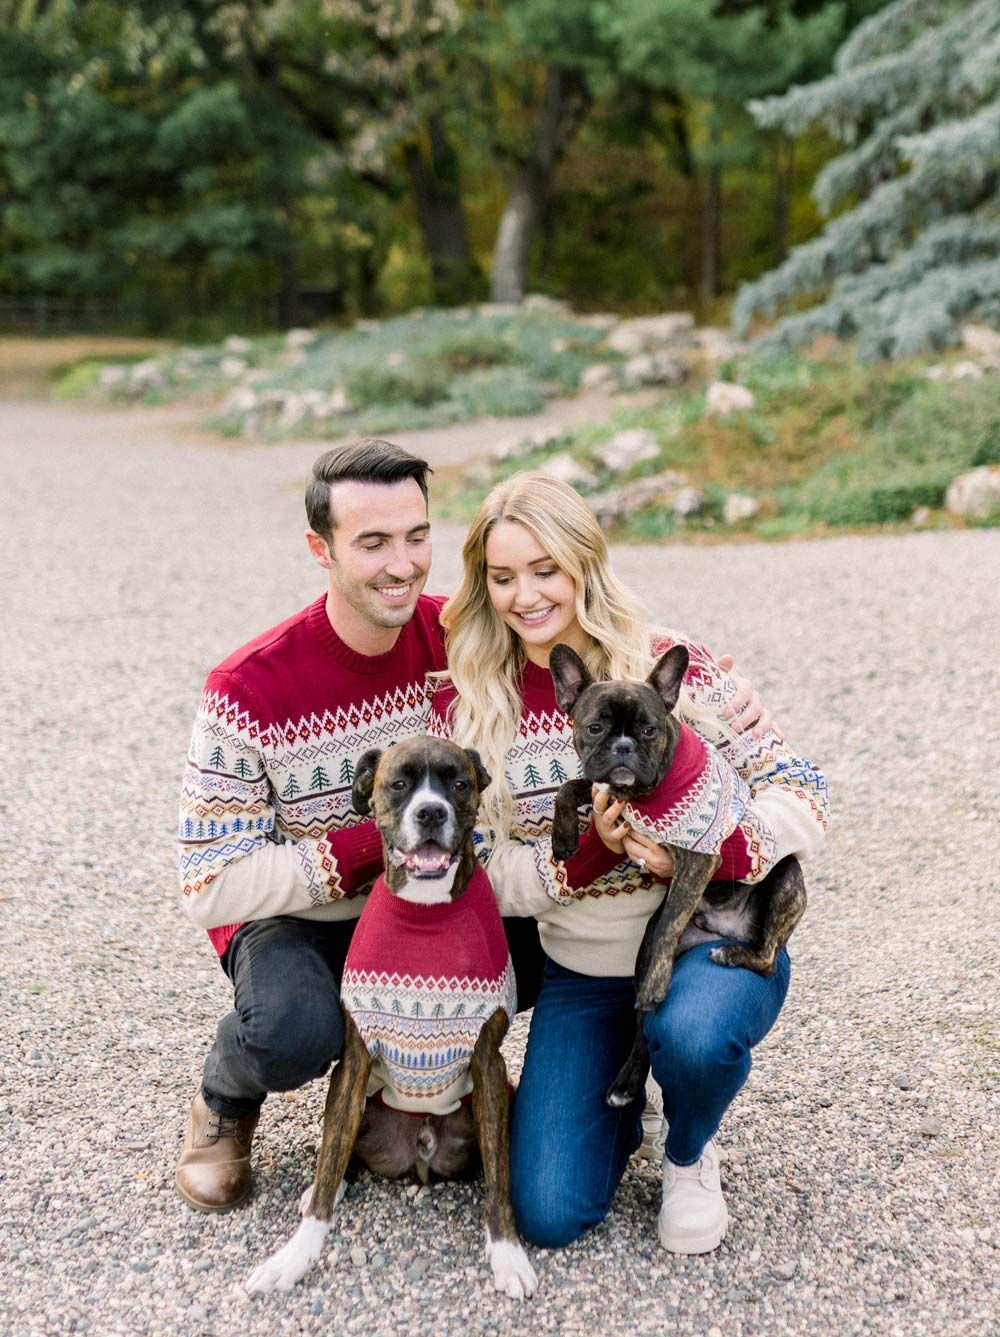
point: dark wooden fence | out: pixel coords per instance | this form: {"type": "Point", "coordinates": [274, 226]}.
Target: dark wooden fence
{"type": "Point", "coordinates": [63, 315]}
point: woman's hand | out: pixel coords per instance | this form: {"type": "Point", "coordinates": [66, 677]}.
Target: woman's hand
{"type": "Point", "coordinates": [647, 854]}
{"type": "Point", "coordinates": [606, 819]}
{"type": "Point", "coordinates": [746, 710]}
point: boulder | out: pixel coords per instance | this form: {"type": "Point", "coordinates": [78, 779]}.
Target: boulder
{"type": "Point", "coordinates": [621, 503]}
{"type": "Point", "coordinates": [976, 494]}
{"type": "Point", "coordinates": [237, 345]}
{"type": "Point", "coordinates": [984, 343]}
{"type": "Point", "coordinates": [718, 345]}
{"type": "Point", "coordinates": [568, 470]}
{"type": "Point", "coordinates": [626, 449]}
{"type": "Point", "coordinates": [113, 377]}
{"type": "Point", "coordinates": [300, 338]}
{"type": "Point", "coordinates": [738, 507]}
{"type": "Point", "coordinates": [232, 367]}
{"type": "Point", "coordinates": [599, 376]}
{"type": "Point", "coordinates": [724, 398]}
{"type": "Point", "coordinates": [239, 402]}
{"type": "Point", "coordinates": [643, 333]}
{"type": "Point", "coordinates": [539, 301]}
{"type": "Point", "coordinates": [146, 375]}
{"type": "Point", "coordinates": [653, 369]}
{"type": "Point", "coordinates": [687, 501]}
{"type": "Point", "coordinates": [955, 371]}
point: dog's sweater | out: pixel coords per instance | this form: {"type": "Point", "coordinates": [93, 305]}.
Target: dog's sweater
{"type": "Point", "coordinates": [420, 982]}
{"type": "Point", "coordinates": [592, 910]}
{"type": "Point", "coordinates": [266, 825]}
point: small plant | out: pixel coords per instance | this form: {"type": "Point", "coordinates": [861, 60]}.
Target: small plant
{"type": "Point", "coordinates": [416, 383]}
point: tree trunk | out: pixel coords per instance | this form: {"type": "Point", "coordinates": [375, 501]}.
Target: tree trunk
{"type": "Point", "coordinates": [565, 103]}
{"type": "Point", "coordinates": [435, 179]}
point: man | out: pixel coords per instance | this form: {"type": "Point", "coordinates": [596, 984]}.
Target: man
{"type": "Point", "coordinates": [273, 862]}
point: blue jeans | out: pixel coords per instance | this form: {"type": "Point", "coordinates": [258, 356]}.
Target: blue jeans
{"type": "Point", "coordinates": [569, 1148]}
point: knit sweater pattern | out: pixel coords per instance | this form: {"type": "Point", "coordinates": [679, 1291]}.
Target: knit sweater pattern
{"type": "Point", "coordinates": [751, 800]}
{"type": "Point", "coordinates": [266, 825]}
{"type": "Point", "coordinates": [420, 982]}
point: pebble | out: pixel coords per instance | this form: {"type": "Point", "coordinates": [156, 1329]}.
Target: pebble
{"type": "Point", "coordinates": [358, 1257]}
{"type": "Point", "coordinates": [784, 1271]}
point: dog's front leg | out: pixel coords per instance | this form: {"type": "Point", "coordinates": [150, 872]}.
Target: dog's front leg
{"type": "Point", "coordinates": [345, 1107]}
{"type": "Point", "coordinates": [783, 894]}
{"type": "Point", "coordinates": [512, 1273]}
{"type": "Point", "coordinates": [692, 873]}
{"type": "Point", "coordinates": [571, 796]}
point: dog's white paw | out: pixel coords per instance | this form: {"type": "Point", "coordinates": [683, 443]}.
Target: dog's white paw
{"type": "Point", "coordinates": [512, 1273]}
{"type": "Point", "coordinates": [306, 1197]}
{"type": "Point", "coordinates": [283, 1269]}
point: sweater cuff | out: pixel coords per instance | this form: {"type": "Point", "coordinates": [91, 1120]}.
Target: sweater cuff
{"type": "Point", "coordinates": [592, 860]}
{"type": "Point", "coordinates": [350, 858]}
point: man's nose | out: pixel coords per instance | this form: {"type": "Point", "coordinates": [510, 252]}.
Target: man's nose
{"type": "Point", "coordinates": [400, 564]}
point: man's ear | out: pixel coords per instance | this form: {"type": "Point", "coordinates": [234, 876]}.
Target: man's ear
{"type": "Point", "coordinates": [319, 549]}
{"type": "Point", "coordinates": [569, 676]}
{"type": "Point", "coordinates": [668, 675]}
{"type": "Point", "coordinates": [482, 774]}
{"type": "Point", "coordinates": [364, 782]}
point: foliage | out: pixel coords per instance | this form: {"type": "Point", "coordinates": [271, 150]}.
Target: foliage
{"type": "Point", "coordinates": [915, 98]}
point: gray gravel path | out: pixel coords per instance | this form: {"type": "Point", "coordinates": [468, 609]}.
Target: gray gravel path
{"type": "Point", "coordinates": [862, 1157]}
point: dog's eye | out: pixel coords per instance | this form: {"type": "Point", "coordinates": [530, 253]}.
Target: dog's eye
{"type": "Point", "coordinates": [461, 785]}
{"type": "Point", "coordinates": [649, 731]}
{"type": "Point", "coordinates": [398, 785]}
{"type": "Point", "coordinates": [595, 728]}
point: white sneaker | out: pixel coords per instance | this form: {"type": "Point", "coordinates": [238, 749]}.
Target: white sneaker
{"type": "Point", "coordinates": [654, 1132]}
{"type": "Point", "coordinates": [693, 1217]}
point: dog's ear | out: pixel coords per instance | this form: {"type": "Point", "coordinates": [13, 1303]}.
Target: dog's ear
{"type": "Point", "coordinates": [668, 675]}
{"type": "Point", "coordinates": [482, 774]}
{"type": "Point", "coordinates": [569, 676]}
{"type": "Point", "coordinates": [364, 781]}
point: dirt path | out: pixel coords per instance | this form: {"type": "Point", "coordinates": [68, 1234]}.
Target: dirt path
{"type": "Point", "coordinates": [861, 1156]}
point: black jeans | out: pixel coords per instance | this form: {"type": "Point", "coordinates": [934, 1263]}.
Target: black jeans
{"type": "Point", "coordinates": [286, 1026]}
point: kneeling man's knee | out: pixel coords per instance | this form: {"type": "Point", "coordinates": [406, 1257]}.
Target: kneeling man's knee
{"type": "Point", "coordinates": [295, 1041]}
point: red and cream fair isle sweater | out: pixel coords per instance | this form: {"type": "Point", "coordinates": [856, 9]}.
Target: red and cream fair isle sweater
{"type": "Point", "coordinates": [420, 982]}
{"type": "Point", "coordinates": [266, 825]}
{"type": "Point", "coordinates": [752, 800]}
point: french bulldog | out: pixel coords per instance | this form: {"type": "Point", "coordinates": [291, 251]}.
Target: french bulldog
{"type": "Point", "coordinates": [627, 735]}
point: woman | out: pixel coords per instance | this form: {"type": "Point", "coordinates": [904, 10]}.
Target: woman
{"type": "Point", "coordinates": [536, 573]}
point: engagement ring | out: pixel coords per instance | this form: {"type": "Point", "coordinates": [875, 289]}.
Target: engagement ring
{"type": "Point", "coordinates": [642, 864]}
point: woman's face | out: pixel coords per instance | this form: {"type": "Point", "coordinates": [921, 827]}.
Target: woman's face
{"type": "Point", "coordinates": [530, 592]}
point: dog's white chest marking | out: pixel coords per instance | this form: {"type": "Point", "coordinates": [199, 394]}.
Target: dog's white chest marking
{"type": "Point", "coordinates": [429, 891]}
{"type": "Point", "coordinates": [512, 1273]}
{"type": "Point", "coordinates": [289, 1264]}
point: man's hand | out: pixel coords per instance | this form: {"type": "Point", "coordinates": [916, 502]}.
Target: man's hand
{"type": "Point", "coordinates": [746, 710]}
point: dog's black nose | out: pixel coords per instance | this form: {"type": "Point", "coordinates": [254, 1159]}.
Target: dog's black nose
{"type": "Point", "coordinates": [624, 747]}
{"type": "Point", "coordinates": [431, 814]}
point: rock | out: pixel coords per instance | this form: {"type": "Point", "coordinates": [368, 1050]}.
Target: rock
{"type": "Point", "coordinates": [975, 494]}
{"type": "Point", "coordinates": [239, 401]}
{"type": "Point", "coordinates": [599, 376]}
{"type": "Point", "coordinates": [784, 1271]}
{"type": "Point", "coordinates": [967, 1235]}
{"type": "Point", "coordinates": [653, 369]}
{"type": "Point", "coordinates": [724, 397]}
{"type": "Point", "coordinates": [358, 1257]}
{"type": "Point", "coordinates": [955, 371]}
{"type": "Point", "coordinates": [237, 344]}
{"type": "Point", "coordinates": [397, 358]}
{"type": "Point", "coordinates": [621, 503]}
{"type": "Point", "coordinates": [931, 1128]}
{"type": "Point", "coordinates": [113, 377]}
{"type": "Point", "coordinates": [718, 345]}
{"type": "Point", "coordinates": [497, 308]}
{"type": "Point", "coordinates": [687, 501]}
{"type": "Point", "coordinates": [920, 517]}
{"type": "Point", "coordinates": [368, 326]}
{"type": "Point", "coordinates": [146, 376]}
{"type": "Point", "coordinates": [559, 345]}
{"type": "Point", "coordinates": [231, 367]}
{"type": "Point", "coordinates": [643, 333]}
{"type": "Point", "coordinates": [568, 470]}
{"type": "Point", "coordinates": [300, 338]}
{"type": "Point", "coordinates": [626, 449]}
{"type": "Point", "coordinates": [738, 507]}
{"type": "Point", "coordinates": [984, 342]}
{"type": "Point", "coordinates": [599, 320]}
{"type": "Point", "coordinates": [539, 301]}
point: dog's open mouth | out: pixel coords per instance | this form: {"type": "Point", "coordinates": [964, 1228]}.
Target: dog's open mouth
{"type": "Point", "coordinates": [427, 860]}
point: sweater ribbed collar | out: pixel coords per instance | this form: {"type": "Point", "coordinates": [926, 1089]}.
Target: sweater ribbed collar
{"type": "Point", "coordinates": [534, 678]}
{"type": "Point", "coordinates": [370, 665]}
{"type": "Point", "coordinates": [410, 913]}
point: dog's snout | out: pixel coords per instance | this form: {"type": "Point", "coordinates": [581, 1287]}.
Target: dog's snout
{"type": "Point", "coordinates": [623, 747]}
{"type": "Point", "coordinates": [431, 814]}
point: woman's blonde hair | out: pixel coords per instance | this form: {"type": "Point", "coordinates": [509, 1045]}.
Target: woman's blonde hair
{"type": "Point", "coordinates": [485, 655]}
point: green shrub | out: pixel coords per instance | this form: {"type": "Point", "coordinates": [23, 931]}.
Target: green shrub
{"type": "Point", "coordinates": [79, 380]}
{"type": "Point", "coordinates": [877, 503]}
{"type": "Point", "coordinates": [472, 349]}
{"type": "Point", "coordinates": [988, 449]}
{"type": "Point", "coordinates": [781, 526]}
{"type": "Point", "coordinates": [502, 392]}
{"type": "Point", "coordinates": [413, 383]}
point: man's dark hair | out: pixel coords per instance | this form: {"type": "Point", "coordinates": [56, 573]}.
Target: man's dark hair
{"type": "Point", "coordinates": [369, 461]}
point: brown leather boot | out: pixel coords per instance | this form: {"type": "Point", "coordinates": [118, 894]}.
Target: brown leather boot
{"type": "Point", "coordinates": [213, 1173]}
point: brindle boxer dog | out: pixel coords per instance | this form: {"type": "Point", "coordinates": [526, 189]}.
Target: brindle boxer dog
{"type": "Point", "coordinates": [626, 734]}
{"type": "Point", "coordinates": [424, 795]}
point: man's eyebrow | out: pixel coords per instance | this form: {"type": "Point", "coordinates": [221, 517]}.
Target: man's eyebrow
{"type": "Point", "coordinates": [384, 534]}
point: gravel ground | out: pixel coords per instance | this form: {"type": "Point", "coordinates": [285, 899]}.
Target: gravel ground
{"type": "Point", "coordinates": [861, 1158]}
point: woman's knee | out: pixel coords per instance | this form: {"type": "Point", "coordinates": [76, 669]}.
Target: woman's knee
{"type": "Point", "coordinates": [689, 1043]}
{"type": "Point", "coordinates": [548, 1219]}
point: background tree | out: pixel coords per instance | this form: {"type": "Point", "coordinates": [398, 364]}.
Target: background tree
{"type": "Point", "coordinates": [915, 96]}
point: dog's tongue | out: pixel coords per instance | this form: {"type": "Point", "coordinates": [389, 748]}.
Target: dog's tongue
{"type": "Point", "coordinates": [622, 776]}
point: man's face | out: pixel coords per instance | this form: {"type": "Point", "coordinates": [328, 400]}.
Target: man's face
{"type": "Point", "coordinates": [378, 556]}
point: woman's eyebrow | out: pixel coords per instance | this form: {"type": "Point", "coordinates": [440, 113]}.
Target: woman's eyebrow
{"type": "Point", "coordinates": [537, 562]}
